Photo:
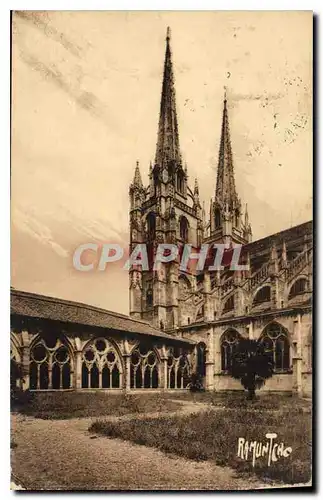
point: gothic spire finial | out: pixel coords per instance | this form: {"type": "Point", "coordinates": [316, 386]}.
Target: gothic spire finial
{"type": "Point", "coordinates": [137, 177]}
{"type": "Point", "coordinates": [225, 185]}
{"type": "Point", "coordinates": [167, 141]}
{"type": "Point", "coordinates": [196, 186]}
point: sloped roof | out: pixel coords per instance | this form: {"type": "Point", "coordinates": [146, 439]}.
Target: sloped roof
{"type": "Point", "coordinates": [43, 307]}
{"type": "Point", "coordinates": [290, 236]}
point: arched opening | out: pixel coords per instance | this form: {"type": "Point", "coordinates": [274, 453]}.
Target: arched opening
{"type": "Point", "coordinates": [217, 218]}
{"type": "Point", "coordinates": [101, 365]}
{"type": "Point", "coordinates": [200, 313]}
{"type": "Point", "coordinates": [201, 359]}
{"type": "Point", "coordinates": [149, 297]}
{"type": "Point", "coordinates": [51, 364]}
{"type": "Point", "coordinates": [263, 295]}
{"type": "Point", "coordinates": [275, 340]}
{"type": "Point", "coordinates": [178, 370]}
{"type": "Point", "coordinates": [299, 287]}
{"type": "Point", "coordinates": [144, 368]}
{"type": "Point", "coordinates": [183, 229]}
{"type": "Point", "coordinates": [151, 226]}
{"type": "Point", "coordinates": [237, 219]}
{"type": "Point", "coordinates": [229, 304]}
{"type": "Point", "coordinates": [180, 182]}
{"type": "Point", "coordinates": [229, 343]}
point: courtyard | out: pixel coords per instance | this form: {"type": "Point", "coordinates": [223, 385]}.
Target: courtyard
{"type": "Point", "coordinates": [149, 441]}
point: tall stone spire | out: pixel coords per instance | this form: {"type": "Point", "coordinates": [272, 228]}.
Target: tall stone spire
{"type": "Point", "coordinates": [168, 141]}
{"type": "Point", "coordinates": [137, 181]}
{"type": "Point", "coordinates": [225, 185]}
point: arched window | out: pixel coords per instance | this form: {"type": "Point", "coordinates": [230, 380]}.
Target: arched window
{"type": "Point", "coordinates": [263, 295]}
{"type": "Point", "coordinates": [299, 287]}
{"type": "Point", "coordinates": [183, 229]}
{"type": "Point", "coordinates": [101, 365]}
{"type": "Point", "coordinates": [229, 343]}
{"type": "Point", "coordinates": [180, 182]}
{"type": "Point", "coordinates": [151, 226]}
{"type": "Point", "coordinates": [178, 370]}
{"type": "Point", "coordinates": [144, 368]}
{"type": "Point", "coordinates": [229, 304]}
{"type": "Point", "coordinates": [149, 297]}
{"type": "Point", "coordinates": [275, 340]}
{"type": "Point", "coordinates": [201, 359]}
{"type": "Point", "coordinates": [200, 313]}
{"type": "Point", "coordinates": [237, 219]}
{"type": "Point", "coordinates": [50, 364]}
{"type": "Point", "coordinates": [217, 218]}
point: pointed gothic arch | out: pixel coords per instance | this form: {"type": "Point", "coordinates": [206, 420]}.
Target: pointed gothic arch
{"type": "Point", "coordinates": [144, 367]}
{"type": "Point", "coordinates": [228, 343]}
{"type": "Point", "coordinates": [183, 229]}
{"type": "Point", "coordinates": [276, 341]}
{"type": "Point", "coordinates": [51, 364]}
{"type": "Point", "coordinates": [298, 287]}
{"type": "Point", "coordinates": [151, 226]}
{"type": "Point", "coordinates": [263, 294]}
{"type": "Point", "coordinates": [102, 366]}
{"type": "Point", "coordinates": [201, 359]}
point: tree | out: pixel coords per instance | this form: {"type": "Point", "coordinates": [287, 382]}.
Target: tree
{"type": "Point", "coordinates": [251, 364]}
{"type": "Point", "coordinates": [196, 383]}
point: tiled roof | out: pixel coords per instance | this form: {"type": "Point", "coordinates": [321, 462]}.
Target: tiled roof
{"type": "Point", "coordinates": [40, 306]}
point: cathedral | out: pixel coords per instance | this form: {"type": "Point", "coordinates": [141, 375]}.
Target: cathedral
{"type": "Point", "coordinates": [180, 321]}
{"type": "Point", "coordinates": [270, 301]}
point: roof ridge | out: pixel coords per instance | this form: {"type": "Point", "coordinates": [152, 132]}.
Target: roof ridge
{"type": "Point", "coordinates": [50, 298]}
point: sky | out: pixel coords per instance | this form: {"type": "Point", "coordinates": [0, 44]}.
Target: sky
{"type": "Point", "coordinates": [85, 102]}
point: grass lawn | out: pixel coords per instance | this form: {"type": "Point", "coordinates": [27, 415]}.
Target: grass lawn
{"type": "Point", "coordinates": [63, 405]}
{"type": "Point", "coordinates": [213, 434]}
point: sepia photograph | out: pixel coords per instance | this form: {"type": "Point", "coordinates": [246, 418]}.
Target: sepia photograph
{"type": "Point", "coordinates": [161, 200]}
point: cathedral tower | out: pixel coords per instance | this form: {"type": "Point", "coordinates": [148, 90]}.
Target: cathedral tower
{"type": "Point", "coordinates": [226, 224]}
{"type": "Point", "coordinates": [167, 211]}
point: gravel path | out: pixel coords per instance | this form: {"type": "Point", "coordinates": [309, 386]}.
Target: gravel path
{"type": "Point", "coordinates": [62, 454]}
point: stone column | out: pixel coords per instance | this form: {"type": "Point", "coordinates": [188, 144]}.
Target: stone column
{"type": "Point", "coordinates": [127, 372]}
{"type": "Point", "coordinates": [209, 365]}
{"type": "Point", "coordinates": [297, 357]}
{"type": "Point", "coordinates": [78, 370]}
{"type": "Point", "coordinates": [162, 384]}
{"type": "Point", "coordinates": [25, 359]}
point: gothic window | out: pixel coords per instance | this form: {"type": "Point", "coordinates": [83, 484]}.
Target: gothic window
{"type": "Point", "coordinates": [183, 229]}
{"type": "Point", "coordinates": [151, 226]}
{"type": "Point", "coordinates": [149, 297]}
{"type": "Point", "coordinates": [229, 304]}
{"type": "Point", "coordinates": [51, 365]}
{"type": "Point", "coordinates": [275, 340]}
{"type": "Point", "coordinates": [101, 365]}
{"type": "Point", "coordinates": [229, 344]}
{"type": "Point", "coordinates": [180, 182]}
{"type": "Point", "coordinates": [178, 370]}
{"type": "Point", "coordinates": [201, 359]}
{"type": "Point", "coordinates": [217, 218]}
{"type": "Point", "coordinates": [263, 295]}
{"type": "Point", "coordinates": [237, 219]}
{"type": "Point", "coordinates": [299, 287]}
{"type": "Point", "coordinates": [200, 313]}
{"type": "Point", "coordinates": [144, 368]}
